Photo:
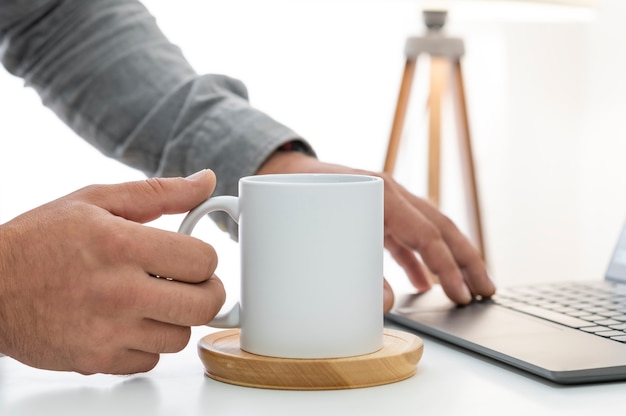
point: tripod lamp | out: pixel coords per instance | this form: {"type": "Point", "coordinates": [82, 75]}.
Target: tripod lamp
{"type": "Point", "coordinates": [445, 68]}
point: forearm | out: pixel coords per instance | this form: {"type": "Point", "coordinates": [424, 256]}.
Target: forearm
{"type": "Point", "coordinates": [106, 69]}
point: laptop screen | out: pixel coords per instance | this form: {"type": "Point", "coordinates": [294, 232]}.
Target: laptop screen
{"type": "Point", "coordinates": [617, 266]}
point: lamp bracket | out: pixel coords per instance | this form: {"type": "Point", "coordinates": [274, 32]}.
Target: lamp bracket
{"type": "Point", "coordinates": [434, 44]}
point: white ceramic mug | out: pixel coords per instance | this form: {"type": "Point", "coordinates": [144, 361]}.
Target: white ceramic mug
{"type": "Point", "coordinates": [311, 264]}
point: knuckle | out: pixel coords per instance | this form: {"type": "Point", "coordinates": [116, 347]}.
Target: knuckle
{"type": "Point", "coordinates": [181, 339]}
{"type": "Point", "coordinates": [113, 296]}
{"type": "Point", "coordinates": [116, 362]}
{"type": "Point", "coordinates": [447, 224]}
{"type": "Point", "coordinates": [205, 315]}
{"type": "Point", "coordinates": [431, 238]}
{"type": "Point", "coordinates": [207, 311]}
{"type": "Point", "coordinates": [210, 259]}
{"type": "Point", "coordinates": [100, 360]}
{"type": "Point", "coordinates": [113, 243]}
{"type": "Point", "coordinates": [90, 192]}
{"type": "Point", "coordinates": [202, 260]}
{"type": "Point", "coordinates": [172, 340]}
{"type": "Point", "coordinates": [116, 243]}
{"type": "Point", "coordinates": [151, 361]}
{"type": "Point", "coordinates": [155, 184]}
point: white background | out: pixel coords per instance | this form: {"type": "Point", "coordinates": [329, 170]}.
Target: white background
{"type": "Point", "coordinates": [546, 104]}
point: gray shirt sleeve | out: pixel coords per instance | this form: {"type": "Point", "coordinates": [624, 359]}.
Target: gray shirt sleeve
{"type": "Point", "coordinates": [106, 69]}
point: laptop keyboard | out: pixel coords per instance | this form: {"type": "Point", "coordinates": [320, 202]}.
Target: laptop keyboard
{"type": "Point", "coordinates": [598, 308]}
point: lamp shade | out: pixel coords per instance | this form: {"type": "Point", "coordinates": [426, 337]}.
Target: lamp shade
{"type": "Point", "coordinates": [515, 10]}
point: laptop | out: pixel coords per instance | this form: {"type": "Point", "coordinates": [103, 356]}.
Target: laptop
{"type": "Point", "coordinates": [569, 333]}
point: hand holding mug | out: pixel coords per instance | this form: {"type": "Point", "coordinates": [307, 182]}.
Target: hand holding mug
{"type": "Point", "coordinates": [76, 292]}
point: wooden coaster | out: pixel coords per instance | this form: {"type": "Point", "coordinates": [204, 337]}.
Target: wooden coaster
{"type": "Point", "coordinates": [224, 361]}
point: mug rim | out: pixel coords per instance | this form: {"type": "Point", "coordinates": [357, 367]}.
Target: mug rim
{"type": "Point", "coordinates": [310, 179]}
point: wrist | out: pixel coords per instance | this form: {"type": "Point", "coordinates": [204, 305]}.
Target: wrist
{"type": "Point", "coordinates": [291, 157]}
{"type": "Point", "coordinates": [286, 162]}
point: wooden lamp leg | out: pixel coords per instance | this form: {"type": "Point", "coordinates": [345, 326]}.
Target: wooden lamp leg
{"type": "Point", "coordinates": [467, 155]}
{"type": "Point", "coordinates": [400, 114]}
{"type": "Point", "coordinates": [438, 78]}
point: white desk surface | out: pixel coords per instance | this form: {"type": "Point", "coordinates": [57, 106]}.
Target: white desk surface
{"type": "Point", "coordinates": [448, 382]}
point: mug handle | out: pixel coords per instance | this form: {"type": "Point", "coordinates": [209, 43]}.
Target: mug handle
{"type": "Point", "coordinates": [230, 205]}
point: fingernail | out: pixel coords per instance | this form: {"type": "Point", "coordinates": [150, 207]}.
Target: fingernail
{"type": "Point", "coordinates": [195, 176]}
{"type": "Point", "coordinates": [467, 295]}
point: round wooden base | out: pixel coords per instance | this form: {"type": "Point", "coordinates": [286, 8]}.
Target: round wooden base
{"type": "Point", "coordinates": [224, 360]}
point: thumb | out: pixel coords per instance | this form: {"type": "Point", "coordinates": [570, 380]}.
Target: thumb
{"type": "Point", "coordinates": [144, 201]}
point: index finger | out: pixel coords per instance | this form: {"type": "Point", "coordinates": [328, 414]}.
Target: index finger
{"type": "Point", "coordinates": [465, 255]}
{"type": "Point", "coordinates": [146, 200]}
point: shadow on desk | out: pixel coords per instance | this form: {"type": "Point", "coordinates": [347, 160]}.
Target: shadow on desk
{"type": "Point", "coordinates": [137, 395]}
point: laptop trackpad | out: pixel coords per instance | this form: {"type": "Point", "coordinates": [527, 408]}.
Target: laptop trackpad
{"type": "Point", "coordinates": [475, 321]}
{"type": "Point", "coordinates": [534, 344]}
